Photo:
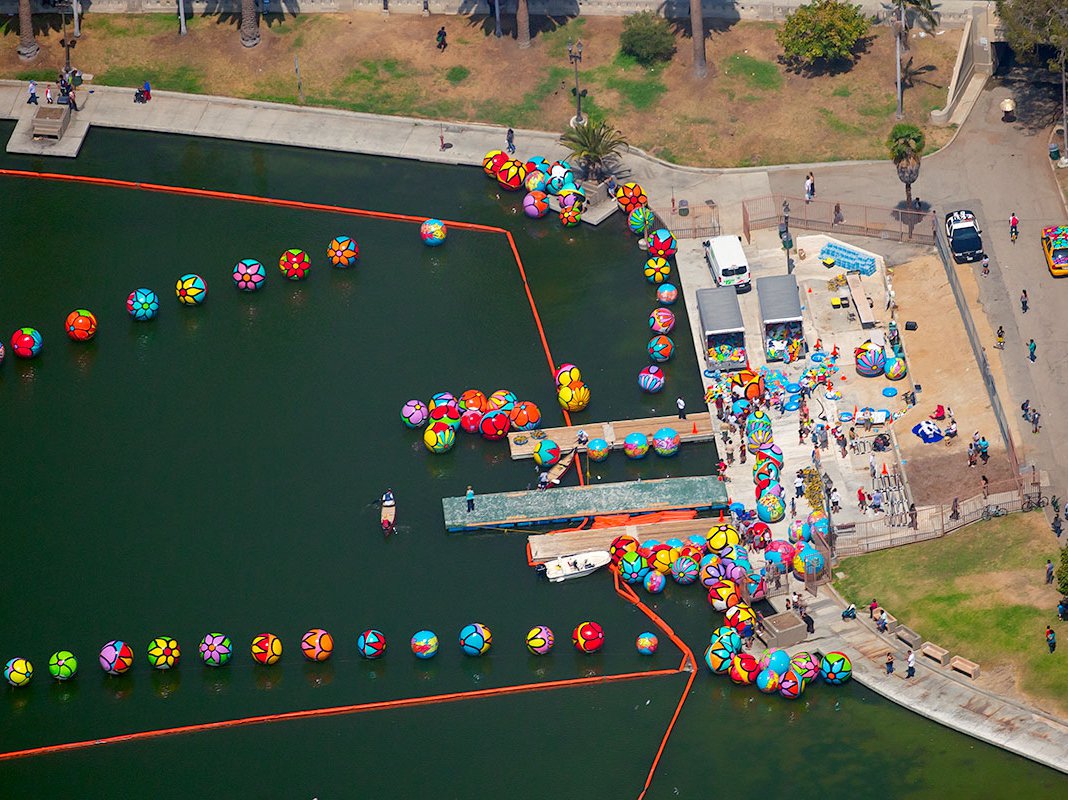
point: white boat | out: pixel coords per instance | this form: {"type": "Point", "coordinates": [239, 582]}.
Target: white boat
{"type": "Point", "coordinates": [562, 569]}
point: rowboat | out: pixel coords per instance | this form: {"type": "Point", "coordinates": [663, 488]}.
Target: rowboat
{"type": "Point", "coordinates": [576, 566]}
{"type": "Point", "coordinates": [560, 467]}
{"type": "Point", "coordinates": [389, 513]}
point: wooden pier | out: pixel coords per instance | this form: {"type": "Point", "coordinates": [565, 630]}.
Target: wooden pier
{"type": "Point", "coordinates": [547, 546]}
{"type": "Point", "coordinates": [695, 428]}
{"type": "Point", "coordinates": [575, 503]}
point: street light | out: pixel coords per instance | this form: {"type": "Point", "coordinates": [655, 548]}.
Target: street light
{"type": "Point", "coordinates": [784, 234]}
{"type": "Point", "coordinates": [63, 9]}
{"type": "Point", "coordinates": [574, 55]}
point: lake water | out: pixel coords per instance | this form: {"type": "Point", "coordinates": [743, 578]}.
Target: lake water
{"type": "Point", "coordinates": [214, 469]}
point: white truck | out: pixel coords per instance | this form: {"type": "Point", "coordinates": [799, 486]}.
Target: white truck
{"type": "Point", "coordinates": [728, 263]}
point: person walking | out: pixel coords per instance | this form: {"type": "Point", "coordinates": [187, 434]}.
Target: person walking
{"type": "Point", "coordinates": [1023, 300]}
{"type": "Point", "coordinates": [1031, 348]}
{"type": "Point", "coordinates": [1049, 571]}
{"type": "Point", "coordinates": [889, 663]}
{"type": "Point", "coordinates": [808, 189]}
{"type": "Point", "coordinates": [48, 94]}
{"type": "Point", "coordinates": [33, 94]}
{"type": "Point", "coordinates": [1014, 227]}
{"type": "Point", "coordinates": [914, 517]}
{"type": "Point", "coordinates": [680, 404]}
{"type": "Point", "coordinates": [1025, 407]}
{"type": "Point", "coordinates": [812, 184]}
{"type": "Point", "coordinates": [954, 509]}
{"type": "Point", "coordinates": [509, 139]}
{"type": "Point", "coordinates": [1035, 416]}
{"type": "Point", "coordinates": [999, 342]}
{"type": "Point", "coordinates": [836, 500]}
{"type": "Point", "coordinates": [986, 265]}
{"type": "Point", "coordinates": [1051, 639]}
{"type": "Point", "coordinates": [470, 499]}
{"type": "Point", "coordinates": [910, 665]}
{"type": "Point", "coordinates": [442, 43]}
{"type": "Point", "coordinates": [877, 501]}
{"type": "Point", "coordinates": [984, 484]}
{"type": "Point", "coordinates": [799, 485]}
{"type": "Point", "coordinates": [72, 101]}
{"type": "Point", "coordinates": [862, 499]}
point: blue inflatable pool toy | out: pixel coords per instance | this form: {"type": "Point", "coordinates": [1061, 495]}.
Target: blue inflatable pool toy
{"type": "Point", "coordinates": [793, 388]}
{"type": "Point", "coordinates": [792, 404]}
{"type": "Point", "coordinates": [817, 357]}
{"type": "Point", "coordinates": [889, 391]}
{"type": "Point", "coordinates": [845, 416]}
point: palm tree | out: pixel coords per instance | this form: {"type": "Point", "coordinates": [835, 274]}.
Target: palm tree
{"type": "Point", "coordinates": [250, 24]}
{"type": "Point", "coordinates": [522, 24]}
{"type": "Point", "coordinates": [594, 144]}
{"type": "Point", "coordinates": [923, 13]}
{"type": "Point", "coordinates": [697, 31]}
{"type": "Point", "coordinates": [28, 47]}
{"type": "Point", "coordinates": [906, 143]}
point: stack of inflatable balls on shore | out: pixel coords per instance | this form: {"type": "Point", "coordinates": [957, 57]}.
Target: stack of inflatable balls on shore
{"type": "Point", "coordinates": [492, 417]}
{"type": "Point", "coordinates": [541, 180]}
{"type": "Point", "coordinates": [571, 392]}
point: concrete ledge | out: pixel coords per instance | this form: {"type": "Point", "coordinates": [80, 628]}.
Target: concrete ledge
{"type": "Point", "coordinates": [909, 637]}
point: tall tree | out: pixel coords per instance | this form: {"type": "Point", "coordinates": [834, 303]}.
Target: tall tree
{"type": "Point", "coordinates": [1033, 23]}
{"type": "Point", "coordinates": [904, 14]}
{"type": "Point", "coordinates": [28, 47]}
{"type": "Point", "coordinates": [592, 144]}
{"type": "Point", "coordinates": [522, 24]}
{"type": "Point", "coordinates": [250, 24]}
{"type": "Point", "coordinates": [906, 143]}
{"type": "Point", "coordinates": [697, 31]}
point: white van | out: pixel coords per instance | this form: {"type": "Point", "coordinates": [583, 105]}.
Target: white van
{"type": "Point", "coordinates": [728, 263]}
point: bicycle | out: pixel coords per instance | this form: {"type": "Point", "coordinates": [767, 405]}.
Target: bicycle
{"type": "Point", "coordinates": [1013, 233]}
{"type": "Point", "coordinates": [989, 512]}
{"type": "Point", "coordinates": [1031, 503]}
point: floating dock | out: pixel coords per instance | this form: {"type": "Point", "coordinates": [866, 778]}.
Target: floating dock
{"type": "Point", "coordinates": [575, 503]}
{"type": "Point", "coordinates": [696, 428]}
{"type": "Point", "coordinates": [547, 546]}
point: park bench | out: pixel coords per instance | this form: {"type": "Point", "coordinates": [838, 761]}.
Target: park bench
{"type": "Point", "coordinates": [961, 664]}
{"type": "Point", "coordinates": [909, 637]}
{"type": "Point", "coordinates": [891, 620]}
{"type": "Point", "coordinates": [935, 653]}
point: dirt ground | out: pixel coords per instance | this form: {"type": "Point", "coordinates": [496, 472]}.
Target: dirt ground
{"type": "Point", "coordinates": [751, 111]}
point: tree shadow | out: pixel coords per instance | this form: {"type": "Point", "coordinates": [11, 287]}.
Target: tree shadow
{"type": "Point", "coordinates": [1036, 89]}
{"type": "Point", "coordinates": [828, 67]}
{"type": "Point", "coordinates": [487, 23]}
{"type": "Point", "coordinates": [681, 25]}
{"type": "Point", "coordinates": [910, 75]}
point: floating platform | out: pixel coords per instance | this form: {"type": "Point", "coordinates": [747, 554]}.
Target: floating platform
{"type": "Point", "coordinates": [695, 428]}
{"type": "Point", "coordinates": [547, 546]}
{"type": "Point", "coordinates": [574, 503]}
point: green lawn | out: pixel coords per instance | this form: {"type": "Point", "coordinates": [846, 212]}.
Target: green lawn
{"type": "Point", "coordinates": [980, 593]}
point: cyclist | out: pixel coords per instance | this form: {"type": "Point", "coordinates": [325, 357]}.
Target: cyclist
{"type": "Point", "coordinates": [1014, 226]}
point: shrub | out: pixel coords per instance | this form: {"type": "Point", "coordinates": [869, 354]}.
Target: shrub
{"type": "Point", "coordinates": [648, 38]}
{"type": "Point", "coordinates": [823, 32]}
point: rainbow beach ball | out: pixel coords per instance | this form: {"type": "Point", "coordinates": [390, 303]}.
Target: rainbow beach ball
{"type": "Point", "coordinates": [294, 264]}
{"type": "Point", "coordinates": [647, 643]}
{"type": "Point", "coordinates": [666, 442]}
{"type": "Point", "coordinates": [216, 649]}
{"type": "Point", "coordinates": [26, 342]}
{"type": "Point", "coordinates": [142, 304]}
{"type": "Point", "coordinates": [540, 640]}
{"type": "Point", "coordinates": [425, 644]}
{"type": "Point", "coordinates": [248, 274]}
{"type": "Point", "coordinates": [342, 252]}
{"type": "Point", "coordinates": [433, 232]}
{"type": "Point", "coordinates": [636, 445]}
{"type": "Point", "coordinates": [18, 671]}
{"type": "Point", "coordinates": [191, 290]}
{"type": "Point", "coordinates": [475, 639]}
{"type": "Point", "coordinates": [654, 582]}
{"type": "Point", "coordinates": [63, 665]}
{"type": "Point", "coordinates": [371, 644]}
{"type": "Point", "coordinates": [597, 449]}
{"type": "Point", "coordinates": [164, 652]}
{"type": "Point", "coordinates": [266, 649]}
{"type": "Point", "coordinates": [81, 325]}
{"type": "Point", "coordinates": [317, 645]}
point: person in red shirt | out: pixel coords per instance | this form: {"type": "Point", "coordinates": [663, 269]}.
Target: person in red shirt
{"type": "Point", "coordinates": [871, 608]}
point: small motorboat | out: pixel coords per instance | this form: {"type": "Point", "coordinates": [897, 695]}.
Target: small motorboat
{"type": "Point", "coordinates": [560, 467]}
{"type": "Point", "coordinates": [576, 566]}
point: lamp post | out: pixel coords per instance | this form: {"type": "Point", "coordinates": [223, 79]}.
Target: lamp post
{"type": "Point", "coordinates": [574, 55]}
{"type": "Point", "coordinates": [63, 9]}
{"type": "Point", "coordinates": [784, 234]}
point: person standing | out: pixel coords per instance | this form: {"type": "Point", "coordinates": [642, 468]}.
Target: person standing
{"type": "Point", "coordinates": [910, 665]}
{"type": "Point", "coordinates": [1023, 300]}
{"type": "Point", "coordinates": [509, 139]}
{"type": "Point", "coordinates": [680, 404]}
{"type": "Point", "coordinates": [808, 189]}
{"type": "Point", "coordinates": [48, 94]}
{"type": "Point", "coordinates": [72, 101]}
{"type": "Point", "coordinates": [862, 499]}
{"type": "Point", "coordinates": [889, 663]}
{"type": "Point", "coordinates": [1014, 226]}
{"type": "Point", "coordinates": [1034, 421]}
{"type": "Point", "coordinates": [741, 453]}
{"type": "Point", "coordinates": [1031, 348]}
{"type": "Point", "coordinates": [799, 485]}
{"type": "Point", "coordinates": [470, 499]}
{"type": "Point", "coordinates": [812, 184]}
{"type": "Point", "coordinates": [33, 94]}
{"type": "Point", "coordinates": [836, 500]}
{"type": "Point", "coordinates": [1049, 571]}
{"type": "Point", "coordinates": [442, 43]}
{"type": "Point", "coordinates": [914, 515]}
{"type": "Point", "coordinates": [986, 264]}
{"type": "Point", "coordinates": [874, 604]}
{"type": "Point", "coordinates": [1051, 639]}
{"type": "Point", "coordinates": [984, 485]}
{"type": "Point", "coordinates": [1025, 407]}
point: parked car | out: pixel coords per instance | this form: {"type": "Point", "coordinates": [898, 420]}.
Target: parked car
{"type": "Point", "coordinates": [965, 240]}
{"type": "Point", "coordinates": [1055, 246]}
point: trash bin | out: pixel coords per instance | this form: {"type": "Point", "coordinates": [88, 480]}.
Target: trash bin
{"type": "Point", "coordinates": [1054, 152]}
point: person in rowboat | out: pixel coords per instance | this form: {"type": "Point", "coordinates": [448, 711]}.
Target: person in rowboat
{"type": "Point", "coordinates": [388, 499]}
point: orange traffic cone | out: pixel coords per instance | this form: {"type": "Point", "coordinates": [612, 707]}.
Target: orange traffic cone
{"type": "Point", "coordinates": [695, 429]}
{"type": "Point", "coordinates": [884, 468]}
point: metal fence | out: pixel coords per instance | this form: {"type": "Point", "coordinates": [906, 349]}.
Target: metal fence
{"type": "Point", "coordinates": [843, 218]}
{"type": "Point", "coordinates": [691, 222]}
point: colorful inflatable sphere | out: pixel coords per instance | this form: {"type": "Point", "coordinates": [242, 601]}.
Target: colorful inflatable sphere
{"type": "Point", "coordinates": [662, 243]}
{"type": "Point", "coordinates": [18, 672]}
{"type": "Point", "coordinates": [566, 374]}
{"type": "Point", "coordinates": [767, 681]}
{"type": "Point", "coordinates": [573, 397]}
{"type": "Point", "coordinates": [778, 661]}
{"type": "Point", "coordinates": [724, 594]}
{"type": "Point", "coordinates": [597, 449]}
{"type": "Point", "coordinates": [540, 640]}
{"type": "Point", "coordinates": [511, 174]}
{"type": "Point", "coordinates": [142, 304]}
{"type": "Point", "coordinates": [895, 369]}
{"type": "Point", "coordinates": [657, 270]}
{"type": "Point", "coordinates": [729, 638]}
{"type": "Point", "coordinates": [647, 643]}
{"type": "Point", "coordinates": [433, 232]}
{"type": "Point", "coordinates": [116, 657]}
{"type": "Point", "coordinates": [684, 570]}
{"type": "Point", "coordinates": [470, 420]}
{"type": "Point", "coordinates": [439, 437]}
{"type": "Point", "coordinates": [662, 320]}
{"type": "Point", "coordinates": [494, 425]}
{"type": "Point", "coordinates": [342, 252]}
{"type": "Point", "coordinates": [717, 657]}
{"type": "Point", "coordinates": [164, 652]}
{"type": "Point", "coordinates": [425, 644]}
{"type": "Point", "coordinates": [266, 649]}
{"type": "Point", "coordinates": [791, 685]}
{"type": "Point", "coordinates": [836, 668]}
{"type": "Point", "coordinates": [26, 342]}
{"type": "Point", "coordinates": [570, 196]}
{"type": "Point", "coordinates": [317, 645]}
{"type": "Point", "coordinates": [722, 537]}
{"type": "Point", "coordinates": [216, 649]}
{"type": "Point", "coordinates": [667, 294]}
{"type": "Point", "coordinates": [805, 665]}
{"type": "Point", "coordinates": [744, 669]}
{"type": "Point", "coordinates": [62, 665]}
{"type": "Point", "coordinates": [870, 360]}
{"type": "Point", "coordinates": [249, 275]}
{"type": "Point", "coordinates": [633, 567]}
{"type": "Point", "coordinates": [654, 582]}
{"type": "Point", "coordinates": [661, 556]}
{"type": "Point", "coordinates": [81, 325]}
{"type": "Point", "coordinates": [621, 545]}
{"type": "Point", "coordinates": [492, 162]}
{"type": "Point", "coordinates": [536, 204]}
{"type": "Point", "coordinates": [631, 196]}
{"type": "Point", "coordinates": [666, 442]}
{"type": "Point", "coordinates": [501, 400]}
{"type": "Point", "coordinates": [414, 414]}
{"type": "Point", "coordinates": [651, 379]}
{"type": "Point", "coordinates": [770, 508]}
{"type": "Point", "coordinates": [475, 639]}
{"type": "Point", "coordinates": [371, 644]}
{"type": "Point", "coordinates": [1, 352]}
{"type": "Point", "coordinates": [570, 216]}
{"type": "Point", "coordinates": [640, 220]}
{"type": "Point", "coordinates": [191, 290]}
{"type": "Point", "coordinates": [661, 348]}
{"type": "Point", "coordinates": [539, 163]}
{"type": "Point", "coordinates": [536, 181]}
{"type": "Point", "coordinates": [546, 453]}
{"type": "Point", "coordinates": [739, 617]}
{"type": "Point", "coordinates": [473, 399]}
{"type": "Point", "coordinates": [588, 637]}
{"type": "Point", "coordinates": [449, 414]}
{"type": "Point", "coordinates": [294, 264]}
{"type": "Point", "coordinates": [636, 445]}
{"type": "Point", "coordinates": [524, 416]}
